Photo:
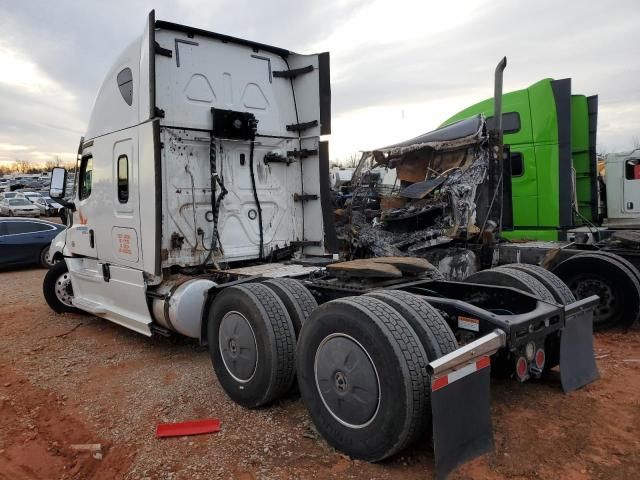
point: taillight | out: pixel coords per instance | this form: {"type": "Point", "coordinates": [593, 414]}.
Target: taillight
{"type": "Point", "coordinates": [540, 358]}
{"type": "Point", "coordinates": [521, 369]}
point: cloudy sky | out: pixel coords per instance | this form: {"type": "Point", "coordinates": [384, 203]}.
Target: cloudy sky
{"type": "Point", "coordinates": [399, 68]}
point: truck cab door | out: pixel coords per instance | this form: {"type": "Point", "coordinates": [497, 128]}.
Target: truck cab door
{"type": "Point", "coordinates": [81, 234]}
{"type": "Point", "coordinates": [631, 186]}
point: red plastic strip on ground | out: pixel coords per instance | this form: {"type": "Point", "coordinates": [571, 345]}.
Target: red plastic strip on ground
{"type": "Point", "coordinates": [197, 427]}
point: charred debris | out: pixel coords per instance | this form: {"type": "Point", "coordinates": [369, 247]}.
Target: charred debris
{"type": "Point", "coordinates": [430, 196]}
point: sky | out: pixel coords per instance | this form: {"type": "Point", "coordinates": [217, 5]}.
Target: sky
{"type": "Point", "coordinates": [398, 68]}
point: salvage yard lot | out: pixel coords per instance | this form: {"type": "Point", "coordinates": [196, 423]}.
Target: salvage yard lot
{"type": "Point", "coordinates": [69, 379]}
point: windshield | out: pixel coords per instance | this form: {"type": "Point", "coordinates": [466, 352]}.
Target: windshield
{"type": "Point", "coordinates": [18, 202]}
{"type": "Point", "coordinates": [9, 195]}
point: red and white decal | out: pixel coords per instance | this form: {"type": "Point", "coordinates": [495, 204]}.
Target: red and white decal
{"type": "Point", "coordinates": [468, 323]}
{"type": "Point", "coordinates": [443, 381]}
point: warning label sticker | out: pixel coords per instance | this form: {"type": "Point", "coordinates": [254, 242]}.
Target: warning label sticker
{"type": "Point", "coordinates": [468, 323]}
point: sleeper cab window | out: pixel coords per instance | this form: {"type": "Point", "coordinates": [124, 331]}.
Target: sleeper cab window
{"type": "Point", "coordinates": [510, 123]}
{"type": "Point", "coordinates": [123, 179]}
{"type": "Point", "coordinates": [125, 84]}
{"type": "Point", "coordinates": [86, 176]}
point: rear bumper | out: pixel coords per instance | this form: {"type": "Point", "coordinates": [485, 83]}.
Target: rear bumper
{"type": "Point", "coordinates": [26, 214]}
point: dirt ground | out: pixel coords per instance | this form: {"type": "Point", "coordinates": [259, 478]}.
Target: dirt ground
{"type": "Point", "coordinates": [68, 379]}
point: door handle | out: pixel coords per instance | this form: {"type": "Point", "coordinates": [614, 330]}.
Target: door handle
{"type": "Point", "coordinates": [92, 240]}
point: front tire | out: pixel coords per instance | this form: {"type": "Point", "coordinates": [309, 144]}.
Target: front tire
{"type": "Point", "coordinates": [58, 290]}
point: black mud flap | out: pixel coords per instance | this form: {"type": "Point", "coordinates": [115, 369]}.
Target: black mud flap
{"type": "Point", "coordinates": [577, 359]}
{"type": "Point", "coordinates": [461, 410]}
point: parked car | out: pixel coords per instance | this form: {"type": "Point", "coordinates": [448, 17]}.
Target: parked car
{"type": "Point", "coordinates": [47, 206]}
{"type": "Point", "coordinates": [8, 195]}
{"type": "Point", "coordinates": [29, 195]}
{"type": "Point", "coordinates": [26, 241]}
{"type": "Point", "coordinates": [18, 207]}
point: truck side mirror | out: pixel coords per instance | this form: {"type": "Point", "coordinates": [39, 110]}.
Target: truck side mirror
{"type": "Point", "coordinates": [58, 183]}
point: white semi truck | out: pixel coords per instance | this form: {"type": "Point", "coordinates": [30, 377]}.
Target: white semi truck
{"type": "Point", "coordinates": [202, 207]}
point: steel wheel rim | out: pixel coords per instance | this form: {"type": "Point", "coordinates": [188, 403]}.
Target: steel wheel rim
{"type": "Point", "coordinates": [64, 289]}
{"type": "Point", "coordinates": [347, 380]}
{"type": "Point", "coordinates": [589, 285]}
{"type": "Point", "coordinates": [45, 257]}
{"type": "Point", "coordinates": [238, 346]}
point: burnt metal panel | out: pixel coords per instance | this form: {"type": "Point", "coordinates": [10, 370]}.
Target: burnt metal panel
{"type": "Point", "coordinates": [456, 131]}
{"type": "Point", "coordinates": [562, 95]}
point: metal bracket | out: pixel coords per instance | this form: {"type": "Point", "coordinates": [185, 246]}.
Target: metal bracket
{"type": "Point", "coordinates": [292, 73]}
{"type": "Point", "coordinates": [304, 153]}
{"type": "Point", "coordinates": [303, 197]}
{"type": "Point", "coordinates": [165, 52]}
{"type": "Point", "coordinates": [299, 127]}
{"type": "Point", "coordinates": [304, 243]}
{"type": "Point", "coordinates": [186, 42]}
{"type": "Point", "coordinates": [273, 157]}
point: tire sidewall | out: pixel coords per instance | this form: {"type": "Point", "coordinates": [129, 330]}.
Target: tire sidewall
{"type": "Point", "coordinates": [388, 424]}
{"type": "Point", "coordinates": [594, 268]}
{"type": "Point", "coordinates": [48, 288]}
{"type": "Point", "coordinates": [43, 257]}
{"type": "Point", "coordinates": [235, 299]}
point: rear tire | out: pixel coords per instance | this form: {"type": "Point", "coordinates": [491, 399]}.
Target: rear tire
{"type": "Point", "coordinates": [551, 282]}
{"type": "Point", "coordinates": [57, 289]}
{"type": "Point", "coordinates": [509, 277]}
{"type": "Point", "coordinates": [252, 344]}
{"type": "Point", "coordinates": [561, 293]}
{"type": "Point", "coordinates": [434, 333]}
{"type": "Point", "coordinates": [610, 277]}
{"type": "Point", "coordinates": [362, 375]}
{"type": "Point", "coordinates": [297, 299]}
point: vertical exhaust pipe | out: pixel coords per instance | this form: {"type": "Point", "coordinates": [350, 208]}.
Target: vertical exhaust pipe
{"type": "Point", "coordinates": [497, 94]}
{"type": "Point", "coordinates": [492, 225]}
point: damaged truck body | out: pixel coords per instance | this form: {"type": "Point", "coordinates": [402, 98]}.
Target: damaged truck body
{"type": "Point", "coordinates": [442, 200]}
{"type": "Point", "coordinates": [202, 208]}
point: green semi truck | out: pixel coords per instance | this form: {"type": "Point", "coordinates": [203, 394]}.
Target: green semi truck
{"type": "Point", "coordinates": [551, 134]}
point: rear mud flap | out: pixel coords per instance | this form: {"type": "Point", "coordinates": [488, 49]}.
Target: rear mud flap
{"type": "Point", "coordinates": [577, 359]}
{"type": "Point", "coordinates": [461, 411]}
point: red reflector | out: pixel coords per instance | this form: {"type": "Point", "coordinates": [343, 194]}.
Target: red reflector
{"type": "Point", "coordinates": [521, 367]}
{"type": "Point", "coordinates": [439, 383]}
{"type": "Point", "coordinates": [636, 172]}
{"type": "Point", "coordinates": [540, 358]}
{"type": "Point", "coordinates": [208, 425]}
{"type": "Point", "coordinates": [483, 362]}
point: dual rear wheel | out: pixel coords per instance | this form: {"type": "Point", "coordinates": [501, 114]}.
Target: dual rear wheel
{"type": "Point", "coordinates": [360, 361]}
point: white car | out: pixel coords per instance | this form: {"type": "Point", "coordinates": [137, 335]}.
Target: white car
{"type": "Point", "coordinates": [47, 206]}
{"type": "Point", "coordinates": [18, 207]}
{"type": "Point", "coordinates": [31, 196]}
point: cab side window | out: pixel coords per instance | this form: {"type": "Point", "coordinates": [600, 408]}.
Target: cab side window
{"type": "Point", "coordinates": [86, 176]}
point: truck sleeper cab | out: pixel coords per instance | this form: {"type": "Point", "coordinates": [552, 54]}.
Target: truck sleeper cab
{"type": "Point", "coordinates": [201, 192]}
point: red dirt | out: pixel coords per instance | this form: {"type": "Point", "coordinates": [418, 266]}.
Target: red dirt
{"type": "Point", "coordinates": [67, 379]}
